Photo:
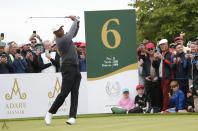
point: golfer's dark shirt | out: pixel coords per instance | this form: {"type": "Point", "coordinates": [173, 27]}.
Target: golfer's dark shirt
{"type": "Point", "coordinates": [66, 46]}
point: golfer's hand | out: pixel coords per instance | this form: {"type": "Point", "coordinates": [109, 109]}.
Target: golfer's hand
{"type": "Point", "coordinates": [73, 18]}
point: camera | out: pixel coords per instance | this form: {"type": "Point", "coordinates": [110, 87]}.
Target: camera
{"type": "Point", "coordinates": [188, 52]}
{"type": "Point", "coordinates": [18, 51]}
{"type": "Point", "coordinates": [3, 56]}
{"type": "Point", "coordinates": [34, 32]}
{"type": "Point", "coordinates": [29, 51]}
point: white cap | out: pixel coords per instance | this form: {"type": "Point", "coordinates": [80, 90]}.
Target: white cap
{"type": "Point", "coordinates": [20, 45]}
{"type": "Point", "coordinates": [26, 43]}
{"type": "Point", "coordinates": [163, 41]}
{"type": "Point", "coordinates": [56, 27]}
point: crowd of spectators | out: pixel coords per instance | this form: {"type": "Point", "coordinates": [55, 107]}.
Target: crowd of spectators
{"type": "Point", "coordinates": [169, 73]}
{"type": "Point", "coordinates": [35, 56]}
{"type": "Point", "coordinates": [168, 78]}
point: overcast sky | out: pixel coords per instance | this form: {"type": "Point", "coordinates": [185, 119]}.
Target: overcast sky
{"type": "Point", "coordinates": [14, 14]}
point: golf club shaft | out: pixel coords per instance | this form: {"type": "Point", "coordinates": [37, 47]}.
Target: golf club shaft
{"type": "Point", "coordinates": [49, 17]}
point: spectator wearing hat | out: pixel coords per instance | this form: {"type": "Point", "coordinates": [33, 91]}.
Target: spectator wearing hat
{"type": "Point", "coordinates": [141, 101]}
{"type": "Point", "coordinates": [177, 98]}
{"type": "Point", "coordinates": [125, 104]}
{"type": "Point", "coordinates": [152, 83]}
{"type": "Point", "coordinates": [82, 60]}
{"type": "Point", "coordinates": [49, 62]}
{"type": "Point", "coordinates": [162, 62]}
{"type": "Point", "coordinates": [5, 62]}
{"type": "Point", "coordinates": [179, 41]}
{"type": "Point", "coordinates": [180, 68]}
{"type": "Point", "coordinates": [77, 44]}
{"type": "Point", "coordinates": [38, 48]}
{"type": "Point", "coordinates": [18, 61]}
{"type": "Point", "coordinates": [172, 49]}
{"type": "Point", "coordinates": [33, 38]}
{"type": "Point", "coordinates": [31, 58]}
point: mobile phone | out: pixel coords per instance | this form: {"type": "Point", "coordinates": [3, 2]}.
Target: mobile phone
{"type": "Point", "coordinates": [34, 32]}
{"type": "Point", "coordinates": [171, 92]}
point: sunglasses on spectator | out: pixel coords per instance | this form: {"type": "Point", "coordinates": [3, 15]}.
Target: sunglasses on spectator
{"type": "Point", "coordinates": [150, 49]}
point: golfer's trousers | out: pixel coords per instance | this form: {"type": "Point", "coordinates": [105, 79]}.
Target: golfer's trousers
{"type": "Point", "coordinates": [71, 78]}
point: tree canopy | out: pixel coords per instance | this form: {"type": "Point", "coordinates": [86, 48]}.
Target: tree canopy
{"type": "Point", "coordinates": [166, 19]}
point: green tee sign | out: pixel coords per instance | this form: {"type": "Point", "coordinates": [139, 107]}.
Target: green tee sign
{"type": "Point", "coordinates": [111, 42]}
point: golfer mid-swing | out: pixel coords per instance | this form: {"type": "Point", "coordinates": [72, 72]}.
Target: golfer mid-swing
{"type": "Point", "coordinates": [71, 76]}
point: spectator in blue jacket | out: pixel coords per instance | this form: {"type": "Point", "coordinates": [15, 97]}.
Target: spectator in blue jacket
{"type": "Point", "coordinates": [18, 61]}
{"type": "Point", "coordinates": [5, 62]}
{"type": "Point", "coordinates": [180, 68]}
{"type": "Point", "coordinates": [177, 98]}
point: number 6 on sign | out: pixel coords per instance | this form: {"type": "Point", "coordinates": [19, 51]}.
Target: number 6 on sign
{"type": "Point", "coordinates": [105, 32]}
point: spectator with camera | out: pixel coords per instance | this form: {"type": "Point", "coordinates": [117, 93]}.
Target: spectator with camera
{"type": "Point", "coordinates": [180, 68]}
{"type": "Point", "coordinates": [49, 61]}
{"type": "Point", "coordinates": [179, 41]}
{"type": "Point", "coordinates": [31, 58]}
{"type": "Point", "coordinates": [18, 61]}
{"type": "Point", "coordinates": [152, 83]}
{"type": "Point", "coordinates": [162, 62]}
{"type": "Point", "coordinates": [5, 62]}
{"type": "Point", "coordinates": [33, 38]}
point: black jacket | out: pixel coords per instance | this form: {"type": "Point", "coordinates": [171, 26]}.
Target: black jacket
{"type": "Point", "coordinates": [33, 66]}
{"type": "Point", "coordinates": [6, 68]}
{"type": "Point", "coordinates": [180, 70]}
{"type": "Point", "coordinates": [166, 69]}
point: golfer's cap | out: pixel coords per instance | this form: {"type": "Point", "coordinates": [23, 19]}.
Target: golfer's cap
{"type": "Point", "coordinates": [139, 87]}
{"type": "Point", "coordinates": [125, 90]}
{"type": "Point", "coordinates": [163, 41]}
{"type": "Point", "coordinates": [2, 44]}
{"type": "Point", "coordinates": [56, 27]}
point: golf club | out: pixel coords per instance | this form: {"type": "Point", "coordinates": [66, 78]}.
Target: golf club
{"type": "Point", "coordinates": [48, 18]}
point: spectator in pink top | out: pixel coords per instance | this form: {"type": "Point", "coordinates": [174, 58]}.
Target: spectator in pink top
{"type": "Point", "coordinates": [125, 104]}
